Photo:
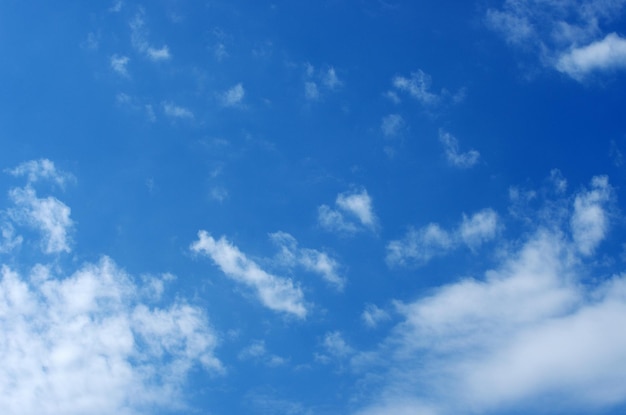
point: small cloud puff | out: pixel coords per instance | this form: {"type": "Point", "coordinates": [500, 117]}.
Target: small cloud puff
{"type": "Point", "coordinates": [353, 212]}
{"type": "Point", "coordinates": [455, 157]}
{"type": "Point", "coordinates": [175, 111]}
{"type": "Point", "coordinates": [420, 245]}
{"type": "Point", "coordinates": [233, 96]}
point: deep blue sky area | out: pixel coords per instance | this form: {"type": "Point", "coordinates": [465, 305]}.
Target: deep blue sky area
{"type": "Point", "coordinates": [358, 207]}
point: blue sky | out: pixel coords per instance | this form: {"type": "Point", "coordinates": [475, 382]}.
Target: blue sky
{"type": "Point", "coordinates": [367, 207]}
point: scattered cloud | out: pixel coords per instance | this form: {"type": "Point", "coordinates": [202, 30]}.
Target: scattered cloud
{"type": "Point", "coordinates": [454, 155]}
{"type": "Point", "coordinates": [590, 219]}
{"type": "Point", "coordinates": [311, 91]}
{"type": "Point", "coordinates": [119, 64]}
{"type": "Point", "coordinates": [391, 125]}
{"type": "Point", "coordinates": [416, 86]}
{"type": "Point", "coordinates": [533, 332]}
{"type": "Point", "coordinates": [233, 96]}
{"type": "Point", "coordinates": [335, 348]}
{"type": "Point", "coordinates": [47, 215]}
{"type": "Point", "coordinates": [353, 212]}
{"type": "Point", "coordinates": [330, 79]}
{"type": "Point", "coordinates": [566, 35]}
{"type": "Point", "coordinates": [311, 260]}
{"type": "Point", "coordinates": [257, 352]}
{"type": "Point", "coordinates": [372, 316]}
{"type": "Point", "coordinates": [139, 40]}
{"type": "Point", "coordinates": [175, 111]}
{"type": "Point", "coordinates": [420, 245]}
{"type": "Point", "coordinates": [275, 293]}
{"type": "Point", "coordinates": [42, 169]}
{"type": "Point", "coordinates": [318, 82]}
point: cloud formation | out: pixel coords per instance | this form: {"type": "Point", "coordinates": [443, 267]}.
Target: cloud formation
{"type": "Point", "coordinates": [353, 212]}
{"type": "Point", "coordinates": [89, 343]}
{"type": "Point", "coordinates": [419, 246]}
{"type": "Point", "coordinates": [526, 334]}
{"type": "Point", "coordinates": [139, 40]}
{"type": "Point", "coordinates": [311, 260]}
{"type": "Point", "coordinates": [456, 157]}
{"type": "Point", "coordinates": [276, 293]}
{"type": "Point", "coordinates": [566, 35]}
{"type": "Point", "coordinates": [233, 96]}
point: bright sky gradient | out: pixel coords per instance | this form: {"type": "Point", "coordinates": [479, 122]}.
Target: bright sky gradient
{"type": "Point", "coordinates": [324, 207]}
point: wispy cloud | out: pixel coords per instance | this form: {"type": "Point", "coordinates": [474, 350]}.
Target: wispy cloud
{"type": "Point", "coordinates": [257, 352]}
{"type": "Point", "coordinates": [354, 211]}
{"type": "Point", "coordinates": [456, 157]}
{"type": "Point", "coordinates": [311, 260]}
{"type": "Point", "coordinates": [42, 169]}
{"type": "Point", "coordinates": [391, 125]}
{"type": "Point", "coordinates": [139, 40]}
{"type": "Point", "coordinates": [419, 246]}
{"type": "Point", "coordinates": [526, 334]}
{"type": "Point", "coordinates": [275, 293]}
{"type": "Point", "coordinates": [372, 315]}
{"type": "Point", "coordinates": [233, 97]}
{"type": "Point", "coordinates": [566, 35]}
{"type": "Point", "coordinates": [175, 111]}
{"type": "Point", "coordinates": [320, 82]}
{"type": "Point", "coordinates": [119, 64]}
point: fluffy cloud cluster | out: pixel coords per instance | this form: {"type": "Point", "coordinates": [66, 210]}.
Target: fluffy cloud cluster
{"type": "Point", "coordinates": [568, 35]}
{"type": "Point", "coordinates": [530, 333]}
{"type": "Point", "coordinates": [92, 340]}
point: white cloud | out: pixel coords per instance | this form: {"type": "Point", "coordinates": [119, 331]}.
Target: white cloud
{"type": "Point", "coordinates": [479, 228]}
{"type": "Point", "coordinates": [175, 111]}
{"type": "Point", "coordinates": [86, 343]}
{"type": "Point", "coordinates": [9, 240]}
{"type": "Point", "coordinates": [42, 169]}
{"type": "Point", "coordinates": [601, 55]}
{"type": "Point", "coordinates": [354, 212]}
{"type": "Point", "coordinates": [319, 82]}
{"type": "Point", "coordinates": [454, 155]}
{"type": "Point", "coordinates": [257, 352]}
{"type": "Point", "coordinates": [417, 86]}
{"type": "Point", "coordinates": [391, 125]}
{"type": "Point", "coordinates": [119, 64]}
{"type": "Point", "coordinates": [421, 245]}
{"type": "Point", "coordinates": [566, 35]}
{"type": "Point", "coordinates": [311, 260]}
{"type": "Point", "coordinates": [527, 335]}
{"type": "Point", "coordinates": [48, 215]}
{"type": "Point", "coordinates": [233, 96]}
{"type": "Point", "coordinates": [372, 316]}
{"type": "Point", "coordinates": [139, 40]}
{"type": "Point", "coordinates": [335, 347]}
{"type": "Point", "coordinates": [590, 222]}
{"type": "Point", "coordinates": [276, 293]}
{"type": "Point", "coordinates": [330, 79]}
